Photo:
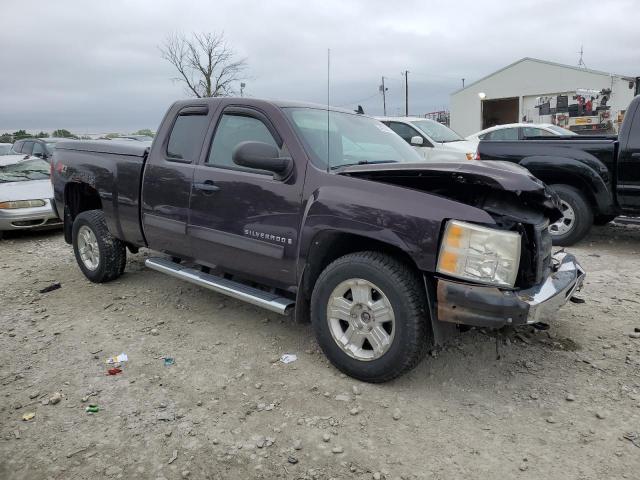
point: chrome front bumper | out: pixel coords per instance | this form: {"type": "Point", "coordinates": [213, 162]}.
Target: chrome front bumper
{"type": "Point", "coordinates": [565, 280]}
{"type": "Point", "coordinates": [491, 307]}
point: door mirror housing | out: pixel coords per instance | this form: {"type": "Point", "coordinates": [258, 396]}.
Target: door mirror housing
{"type": "Point", "coordinates": [416, 141]}
{"type": "Point", "coordinates": [261, 156]}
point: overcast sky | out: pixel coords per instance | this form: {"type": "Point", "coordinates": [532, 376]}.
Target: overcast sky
{"type": "Point", "coordinates": [94, 66]}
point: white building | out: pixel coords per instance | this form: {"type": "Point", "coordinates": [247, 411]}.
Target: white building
{"type": "Point", "coordinates": [525, 89]}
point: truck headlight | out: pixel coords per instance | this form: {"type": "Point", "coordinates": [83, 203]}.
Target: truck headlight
{"type": "Point", "coordinates": [22, 204]}
{"type": "Point", "coordinates": [479, 254]}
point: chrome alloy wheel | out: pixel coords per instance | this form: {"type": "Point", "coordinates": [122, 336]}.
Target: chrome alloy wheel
{"type": "Point", "coordinates": [566, 223]}
{"type": "Point", "coordinates": [361, 319]}
{"type": "Point", "coordinates": [88, 247]}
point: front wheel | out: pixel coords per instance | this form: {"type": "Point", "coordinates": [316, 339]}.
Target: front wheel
{"type": "Point", "coordinates": [100, 255]}
{"type": "Point", "coordinates": [577, 216]}
{"type": "Point", "coordinates": [368, 311]}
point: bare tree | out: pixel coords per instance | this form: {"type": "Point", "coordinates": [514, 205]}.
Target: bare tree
{"type": "Point", "coordinates": [205, 63]}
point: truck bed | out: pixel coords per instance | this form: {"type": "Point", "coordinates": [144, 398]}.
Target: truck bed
{"type": "Point", "coordinates": [579, 148]}
{"type": "Point", "coordinates": [114, 170]}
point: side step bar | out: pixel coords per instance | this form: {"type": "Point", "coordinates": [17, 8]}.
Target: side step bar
{"type": "Point", "coordinates": [230, 288]}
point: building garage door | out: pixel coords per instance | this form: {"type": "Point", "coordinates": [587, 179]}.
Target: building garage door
{"type": "Point", "coordinates": [499, 111]}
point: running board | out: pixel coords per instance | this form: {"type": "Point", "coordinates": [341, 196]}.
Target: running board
{"type": "Point", "coordinates": [254, 296]}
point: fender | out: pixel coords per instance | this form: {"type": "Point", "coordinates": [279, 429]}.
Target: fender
{"type": "Point", "coordinates": [588, 172]}
{"type": "Point", "coordinates": [406, 219]}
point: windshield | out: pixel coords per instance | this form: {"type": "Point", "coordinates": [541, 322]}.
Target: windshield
{"type": "Point", "coordinates": [350, 139]}
{"type": "Point", "coordinates": [34, 169]}
{"type": "Point", "coordinates": [561, 131]}
{"type": "Point", "coordinates": [436, 131]}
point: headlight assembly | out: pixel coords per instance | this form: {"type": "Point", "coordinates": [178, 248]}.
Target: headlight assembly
{"type": "Point", "coordinates": [22, 204]}
{"type": "Point", "coordinates": [480, 254]}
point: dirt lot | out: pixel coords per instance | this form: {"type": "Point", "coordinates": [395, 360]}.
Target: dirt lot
{"type": "Point", "coordinates": [557, 404]}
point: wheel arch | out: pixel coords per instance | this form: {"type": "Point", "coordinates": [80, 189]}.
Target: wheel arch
{"type": "Point", "coordinates": [78, 197]}
{"type": "Point", "coordinates": [568, 171]}
{"type": "Point", "coordinates": [327, 246]}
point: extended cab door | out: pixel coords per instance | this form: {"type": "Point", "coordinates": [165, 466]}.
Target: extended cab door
{"type": "Point", "coordinates": [242, 220]}
{"type": "Point", "coordinates": [166, 185]}
{"type": "Point", "coordinates": [629, 160]}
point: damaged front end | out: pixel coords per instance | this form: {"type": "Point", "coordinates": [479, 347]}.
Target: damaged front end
{"type": "Point", "coordinates": [518, 202]}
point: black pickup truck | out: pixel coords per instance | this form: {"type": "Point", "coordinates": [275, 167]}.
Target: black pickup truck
{"type": "Point", "coordinates": [597, 178]}
{"type": "Point", "coordinates": [324, 212]}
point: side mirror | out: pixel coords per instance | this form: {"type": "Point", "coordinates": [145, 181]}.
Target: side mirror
{"type": "Point", "coordinates": [417, 141]}
{"type": "Point", "coordinates": [261, 156]}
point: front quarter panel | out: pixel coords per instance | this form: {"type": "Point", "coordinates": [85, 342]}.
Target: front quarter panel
{"type": "Point", "coordinates": [407, 219]}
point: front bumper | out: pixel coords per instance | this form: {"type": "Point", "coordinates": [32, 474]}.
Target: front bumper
{"type": "Point", "coordinates": [484, 306]}
{"type": "Point", "coordinates": [29, 218]}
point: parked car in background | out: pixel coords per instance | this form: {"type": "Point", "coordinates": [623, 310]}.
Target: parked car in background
{"type": "Point", "coordinates": [26, 195]}
{"type": "Point", "coordinates": [38, 147]}
{"type": "Point", "coordinates": [432, 140]}
{"type": "Point", "coordinates": [137, 138]}
{"type": "Point", "coordinates": [596, 177]}
{"type": "Point", "coordinates": [327, 213]}
{"type": "Point", "coordinates": [520, 131]}
{"type": "Point", "coordinates": [5, 149]}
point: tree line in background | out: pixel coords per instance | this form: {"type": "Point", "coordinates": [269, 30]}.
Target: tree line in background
{"type": "Point", "coordinates": [63, 133]}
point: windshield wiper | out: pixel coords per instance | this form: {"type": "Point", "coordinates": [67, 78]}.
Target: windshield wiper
{"type": "Point", "coordinates": [363, 162]}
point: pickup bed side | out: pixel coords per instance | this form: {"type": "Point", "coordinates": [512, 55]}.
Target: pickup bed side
{"type": "Point", "coordinates": [103, 176]}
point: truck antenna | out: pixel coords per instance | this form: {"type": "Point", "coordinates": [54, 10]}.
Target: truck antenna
{"type": "Point", "coordinates": [328, 136]}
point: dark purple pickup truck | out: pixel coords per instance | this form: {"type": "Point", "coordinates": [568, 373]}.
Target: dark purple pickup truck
{"type": "Point", "coordinates": [324, 212]}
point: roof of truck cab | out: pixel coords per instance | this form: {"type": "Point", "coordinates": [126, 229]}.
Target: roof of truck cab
{"type": "Point", "coordinates": [256, 101]}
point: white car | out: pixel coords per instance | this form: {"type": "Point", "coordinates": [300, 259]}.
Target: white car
{"type": "Point", "coordinates": [519, 131]}
{"type": "Point", "coordinates": [26, 194]}
{"type": "Point", "coordinates": [434, 141]}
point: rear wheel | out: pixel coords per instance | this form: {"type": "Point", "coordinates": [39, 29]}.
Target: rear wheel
{"type": "Point", "coordinates": [577, 216]}
{"type": "Point", "coordinates": [368, 311]}
{"type": "Point", "coordinates": [100, 255]}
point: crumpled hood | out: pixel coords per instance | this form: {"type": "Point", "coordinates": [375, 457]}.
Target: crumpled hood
{"type": "Point", "coordinates": [483, 175]}
{"type": "Point", "coordinates": [26, 190]}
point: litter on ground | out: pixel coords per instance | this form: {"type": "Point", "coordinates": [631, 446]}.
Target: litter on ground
{"type": "Point", "coordinates": [288, 358]}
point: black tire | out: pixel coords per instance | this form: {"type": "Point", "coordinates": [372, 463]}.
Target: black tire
{"type": "Point", "coordinates": [603, 219]}
{"type": "Point", "coordinates": [405, 292]}
{"type": "Point", "coordinates": [112, 253]}
{"type": "Point", "coordinates": [583, 215]}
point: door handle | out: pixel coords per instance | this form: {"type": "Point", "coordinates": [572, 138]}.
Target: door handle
{"type": "Point", "coordinates": [207, 186]}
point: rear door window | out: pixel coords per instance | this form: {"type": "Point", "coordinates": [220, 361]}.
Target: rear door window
{"type": "Point", "coordinates": [185, 140]}
{"type": "Point", "coordinates": [503, 134]}
{"type": "Point", "coordinates": [536, 132]}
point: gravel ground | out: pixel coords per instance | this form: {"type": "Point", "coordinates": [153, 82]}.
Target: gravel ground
{"type": "Point", "coordinates": [563, 403]}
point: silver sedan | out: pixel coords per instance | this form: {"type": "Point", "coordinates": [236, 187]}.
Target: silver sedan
{"type": "Point", "coordinates": [26, 194]}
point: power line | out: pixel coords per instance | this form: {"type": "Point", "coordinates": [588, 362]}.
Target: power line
{"type": "Point", "coordinates": [358, 101]}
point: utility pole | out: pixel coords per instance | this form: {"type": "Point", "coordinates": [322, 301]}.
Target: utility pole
{"type": "Point", "coordinates": [406, 93]}
{"type": "Point", "coordinates": [580, 60]}
{"type": "Point", "coordinates": [384, 97]}
{"type": "Point", "coordinates": [463, 83]}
